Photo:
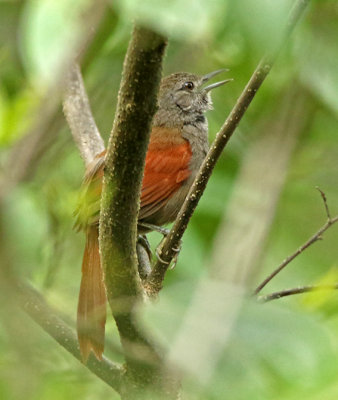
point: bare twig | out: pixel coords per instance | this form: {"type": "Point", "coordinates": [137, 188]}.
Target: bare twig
{"type": "Point", "coordinates": [36, 307]}
{"type": "Point", "coordinates": [155, 280]}
{"type": "Point", "coordinates": [325, 203]}
{"type": "Point", "coordinates": [298, 290]}
{"type": "Point", "coordinates": [79, 117]}
{"type": "Point", "coordinates": [313, 239]}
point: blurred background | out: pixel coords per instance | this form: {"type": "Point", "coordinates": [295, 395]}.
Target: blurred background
{"type": "Point", "coordinates": [259, 206]}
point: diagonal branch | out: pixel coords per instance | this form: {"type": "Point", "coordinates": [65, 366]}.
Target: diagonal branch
{"type": "Point", "coordinates": [36, 307]}
{"type": "Point", "coordinates": [156, 278]}
{"type": "Point", "coordinates": [121, 187]}
{"type": "Point", "coordinates": [77, 110]}
{"type": "Point", "coordinates": [313, 239]}
{"type": "Point", "coordinates": [298, 290]}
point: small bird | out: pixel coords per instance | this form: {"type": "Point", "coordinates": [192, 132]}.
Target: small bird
{"type": "Point", "coordinates": [177, 147]}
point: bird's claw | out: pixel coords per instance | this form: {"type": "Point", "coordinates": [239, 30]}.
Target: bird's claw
{"type": "Point", "coordinates": [165, 232]}
{"type": "Point", "coordinates": [157, 252]}
{"type": "Point", "coordinates": [173, 262]}
{"type": "Point", "coordinates": [156, 228]}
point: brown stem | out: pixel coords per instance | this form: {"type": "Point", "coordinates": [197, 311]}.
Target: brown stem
{"type": "Point", "coordinates": [298, 290]}
{"type": "Point", "coordinates": [156, 278]}
{"type": "Point", "coordinates": [313, 239]}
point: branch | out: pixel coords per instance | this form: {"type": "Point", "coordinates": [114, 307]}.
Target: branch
{"type": "Point", "coordinates": [79, 117]}
{"type": "Point", "coordinates": [121, 188]}
{"type": "Point", "coordinates": [252, 205]}
{"type": "Point", "coordinates": [299, 290]}
{"type": "Point", "coordinates": [36, 307]}
{"type": "Point", "coordinates": [313, 239]}
{"type": "Point", "coordinates": [156, 278]}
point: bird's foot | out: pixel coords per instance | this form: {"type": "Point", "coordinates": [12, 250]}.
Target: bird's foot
{"type": "Point", "coordinates": [165, 232]}
{"type": "Point", "coordinates": [173, 262]}
{"type": "Point", "coordinates": [155, 228]}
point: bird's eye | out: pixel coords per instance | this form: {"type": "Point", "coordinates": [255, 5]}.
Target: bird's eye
{"type": "Point", "coordinates": [188, 85]}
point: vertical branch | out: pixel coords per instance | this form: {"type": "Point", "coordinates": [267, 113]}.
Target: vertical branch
{"type": "Point", "coordinates": [122, 183]}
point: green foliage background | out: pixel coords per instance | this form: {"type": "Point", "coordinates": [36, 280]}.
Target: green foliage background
{"type": "Point", "coordinates": [286, 350]}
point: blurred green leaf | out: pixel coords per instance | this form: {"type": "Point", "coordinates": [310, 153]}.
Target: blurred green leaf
{"type": "Point", "coordinates": [191, 19]}
{"type": "Point", "coordinates": [16, 115]}
{"type": "Point", "coordinates": [286, 350]}
{"type": "Point", "coordinates": [263, 21]}
{"type": "Point", "coordinates": [318, 60]}
{"type": "Point", "coordinates": [49, 30]}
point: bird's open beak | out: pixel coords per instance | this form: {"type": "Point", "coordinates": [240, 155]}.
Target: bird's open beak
{"type": "Point", "coordinates": [211, 75]}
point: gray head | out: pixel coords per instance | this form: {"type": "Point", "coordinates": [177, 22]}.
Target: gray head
{"type": "Point", "coordinates": [183, 95]}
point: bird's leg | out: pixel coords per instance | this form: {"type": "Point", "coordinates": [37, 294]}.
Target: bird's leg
{"type": "Point", "coordinates": [156, 228]}
{"type": "Point", "coordinates": [165, 233]}
{"type": "Point", "coordinates": [144, 242]}
{"type": "Point", "coordinates": [144, 256]}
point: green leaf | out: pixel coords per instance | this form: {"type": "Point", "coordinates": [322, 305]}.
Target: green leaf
{"type": "Point", "coordinates": [190, 19]}
{"type": "Point", "coordinates": [49, 30]}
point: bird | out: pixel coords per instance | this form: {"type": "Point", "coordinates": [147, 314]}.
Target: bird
{"type": "Point", "coordinates": [177, 147]}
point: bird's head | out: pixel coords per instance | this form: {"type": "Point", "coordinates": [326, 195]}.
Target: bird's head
{"type": "Point", "coordinates": [186, 93]}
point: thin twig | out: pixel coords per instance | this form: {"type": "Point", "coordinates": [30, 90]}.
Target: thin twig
{"type": "Point", "coordinates": [313, 239]}
{"type": "Point", "coordinates": [298, 290]}
{"type": "Point", "coordinates": [325, 203]}
{"type": "Point", "coordinates": [156, 278]}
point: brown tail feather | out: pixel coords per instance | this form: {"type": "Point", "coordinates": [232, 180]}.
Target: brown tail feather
{"type": "Point", "coordinates": [91, 312]}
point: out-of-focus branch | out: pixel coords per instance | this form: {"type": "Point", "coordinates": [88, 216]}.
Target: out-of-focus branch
{"type": "Point", "coordinates": [79, 116]}
{"type": "Point", "coordinates": [298, 290]}
{"type": "Point", "coordinates": [171, 242]}
{"type": "Point", "coordinates": [313, 239]}
{"type": "Point", "coordinates": [17, 293]}
{"type": "Point", "coordinates": [36, 307]}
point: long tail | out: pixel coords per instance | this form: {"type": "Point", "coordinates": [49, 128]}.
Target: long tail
{"type": "Point", "coordinates": [91, 312]}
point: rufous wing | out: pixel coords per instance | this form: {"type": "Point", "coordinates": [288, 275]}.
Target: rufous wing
{"type": "Point", "coordinates": [166, 168]}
